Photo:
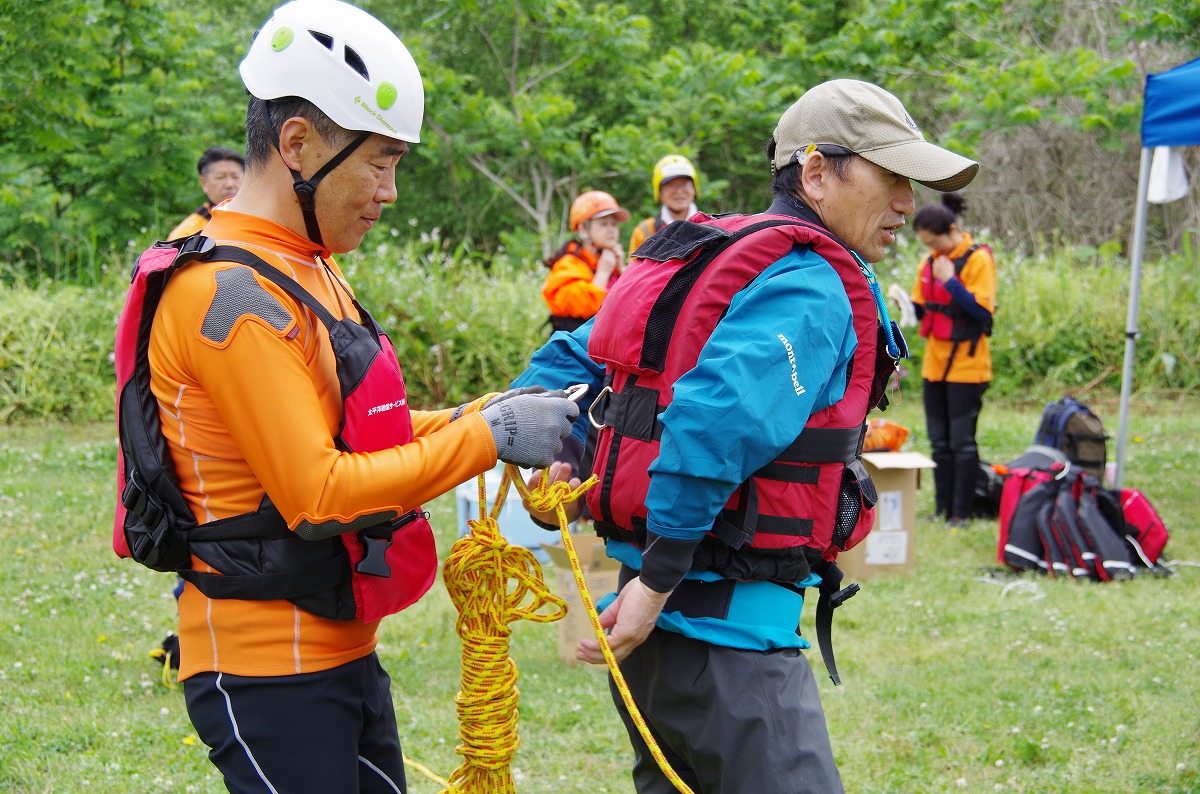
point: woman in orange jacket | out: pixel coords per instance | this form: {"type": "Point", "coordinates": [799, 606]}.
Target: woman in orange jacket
{"type": "Point", "coordinates": [955, 296]}
{"type": "Point", "coordinates": [582, 271]}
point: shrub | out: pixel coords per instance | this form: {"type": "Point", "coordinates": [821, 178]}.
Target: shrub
{"type": "Point", "coordinates": [463, 325]}
{"type": "Point", "coordinates": [56, 344]}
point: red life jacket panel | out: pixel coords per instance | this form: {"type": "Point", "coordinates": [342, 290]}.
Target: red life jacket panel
{"type": "Point", "coordinates": [943, 318]}
{"type": "Point", "coordinates": [650, 331]}
{"type": "Point", "coordinates": [365, 572]}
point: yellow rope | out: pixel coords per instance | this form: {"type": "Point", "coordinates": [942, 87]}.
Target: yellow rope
{"type": "Point", "coordinates": [547, 497]}
{"type": "Point", "coordinates": [493, 584]}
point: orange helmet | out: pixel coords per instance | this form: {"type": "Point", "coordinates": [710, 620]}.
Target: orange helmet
{"type": "Point", "coordinates": [595, 204]}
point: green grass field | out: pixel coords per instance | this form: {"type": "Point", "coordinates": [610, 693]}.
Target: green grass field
{"type": "Point", "coordinates": [951, 684]}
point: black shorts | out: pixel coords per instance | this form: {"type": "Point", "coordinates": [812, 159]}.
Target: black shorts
{"type": "Point", "coordinates": [729, 721]}
{"type": "Point", "coordinates": [332, 731]}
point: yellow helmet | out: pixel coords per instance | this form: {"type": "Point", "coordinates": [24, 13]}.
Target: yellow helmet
{"type": "Point", "coordinates": [671, 167]}
{"type": "Point", "coordinates": [595, 204]}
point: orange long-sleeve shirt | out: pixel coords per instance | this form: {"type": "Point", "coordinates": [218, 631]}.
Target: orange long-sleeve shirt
{"type": "Point", "coordinates": [569, 291]}
{"type": "Point", "coordinates": [249, 403]}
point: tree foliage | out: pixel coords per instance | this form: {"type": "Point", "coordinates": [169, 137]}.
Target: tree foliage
{"type": "Point", "coordinates": [108, 103]}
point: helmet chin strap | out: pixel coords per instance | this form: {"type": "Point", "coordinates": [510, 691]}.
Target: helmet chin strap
{"type": "Point", "coordinates": [306, 188]}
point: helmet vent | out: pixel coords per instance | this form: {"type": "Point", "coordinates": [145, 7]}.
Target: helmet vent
{"type": "Point", "coordinates": [325, 39]}
{"type": "Point", "coordinates": [355, 62]}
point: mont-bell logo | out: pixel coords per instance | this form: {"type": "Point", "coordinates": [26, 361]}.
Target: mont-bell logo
{"type": "Point", "coordinates": [912, 125]}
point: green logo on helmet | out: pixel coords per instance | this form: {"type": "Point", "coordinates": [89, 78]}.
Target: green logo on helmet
{"type": "Point", "coordinates": [385, 95]}
{"type": "Point", "coordinates": [282, 38]}
{"type": "Point", "coordinates": [374, 113]}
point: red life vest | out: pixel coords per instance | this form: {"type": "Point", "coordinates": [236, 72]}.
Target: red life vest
{"type": "Point", "coordinates": [816, 495]}
{"type": "Point", "coordinates": [367, 572]}
{"type": "Point", "coordinates": [943, 318]}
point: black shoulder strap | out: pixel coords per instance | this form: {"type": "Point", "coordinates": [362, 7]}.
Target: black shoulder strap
{"type": "Point", "coordinates": [961, 261]}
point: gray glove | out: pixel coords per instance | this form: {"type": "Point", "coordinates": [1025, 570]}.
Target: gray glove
{"type": "Point", "coordinates": [529, 428]}
{"type": "Point", "coordinates": [499, 398]}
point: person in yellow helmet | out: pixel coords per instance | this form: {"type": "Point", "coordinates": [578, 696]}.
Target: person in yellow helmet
{"type": "Point", "coordinates": [583, 270]}
{"type": "Point", "coordinates": [676, 187]}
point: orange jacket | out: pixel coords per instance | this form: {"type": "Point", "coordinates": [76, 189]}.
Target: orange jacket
{"type": "Point", "coordinates": [249, 405]}
{"type": "Point", "coordinates": [192, 223]}
{"type": "Point", "coordinates": [978, 275]}
{"type": "Point", "coordinates": [643, 231]}
{"type": "Point", "coordinates": [569, 291]}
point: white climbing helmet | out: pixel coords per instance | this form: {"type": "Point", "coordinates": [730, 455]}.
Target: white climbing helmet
{"type": "Point", "coordinates": [344, 61]}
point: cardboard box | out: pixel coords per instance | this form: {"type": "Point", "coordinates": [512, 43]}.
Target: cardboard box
{"type": "Point", "coordinates": [891, 545]}
{"type": "Point", "coordinates": [600, 572]}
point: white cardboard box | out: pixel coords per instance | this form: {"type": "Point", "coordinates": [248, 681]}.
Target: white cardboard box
{"type": "Point", "coordinates": [599, 571]}
{"type": "Point", "coordinates": [891, 545]}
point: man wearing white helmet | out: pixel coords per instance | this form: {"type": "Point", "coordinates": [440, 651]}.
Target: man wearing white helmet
{"type": "Point", "coordinates": [264, 426]}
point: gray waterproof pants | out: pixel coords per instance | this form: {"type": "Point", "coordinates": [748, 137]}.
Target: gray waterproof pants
{"type": "Point", "coordinates": [729, 721]}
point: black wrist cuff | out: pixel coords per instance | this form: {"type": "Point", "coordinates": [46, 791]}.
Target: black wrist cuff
{"type": "Point", "coordinates": [665, 561]}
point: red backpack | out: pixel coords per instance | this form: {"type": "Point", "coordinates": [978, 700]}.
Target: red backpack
{"type": "Point", "coordinates": [1144, 529]}
{"type": "Point", "coordinates": [1062, 522]}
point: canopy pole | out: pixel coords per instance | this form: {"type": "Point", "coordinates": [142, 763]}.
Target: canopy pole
{"type": "Point", "coordinates": [1131, 320]}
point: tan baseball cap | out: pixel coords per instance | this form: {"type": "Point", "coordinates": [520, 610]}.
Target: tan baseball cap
{"type": "Point", "coordinates": [873, 124]}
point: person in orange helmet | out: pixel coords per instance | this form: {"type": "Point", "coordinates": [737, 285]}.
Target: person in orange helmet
{"type": "Point", "coordinates": [583, 270]}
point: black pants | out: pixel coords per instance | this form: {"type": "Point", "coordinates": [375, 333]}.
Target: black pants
{"type": "Point", "coordinates": [951, 415]}
{"type": "Point", "coordinates": [729, 721]}
{"type": "Point", "coordinates": [314, 733]}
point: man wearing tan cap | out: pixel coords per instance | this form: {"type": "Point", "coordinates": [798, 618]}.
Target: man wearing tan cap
{"type": "Point", "coordinates": [738, 372]}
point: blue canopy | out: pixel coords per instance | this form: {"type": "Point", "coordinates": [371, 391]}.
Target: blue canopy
{"type": "Point", "coordinates": [1171, 111]}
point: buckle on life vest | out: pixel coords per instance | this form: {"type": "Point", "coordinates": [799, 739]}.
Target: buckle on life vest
{"type": "Point", "coordinates": [843, 595]}
{"type": "Point", "coordinates": [195, 246]}
{"type": "Point", "coordinates": [377, 540]}
{"type": "Point", "coordinates": [601, 401]}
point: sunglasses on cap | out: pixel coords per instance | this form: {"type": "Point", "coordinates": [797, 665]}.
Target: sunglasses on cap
{"type": "Point", "coordinates": [827, 149]}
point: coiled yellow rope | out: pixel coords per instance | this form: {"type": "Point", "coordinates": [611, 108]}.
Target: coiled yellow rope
{"type": "Point", "coordinates": [492, 584]}
{"type": "Point", "coordinates": [478, 574]}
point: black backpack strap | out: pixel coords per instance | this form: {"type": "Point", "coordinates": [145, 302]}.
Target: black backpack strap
{"type": "Point", "coordinates": [961, 261]}
{"type": "Point", "coordinates": [831, 596]}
